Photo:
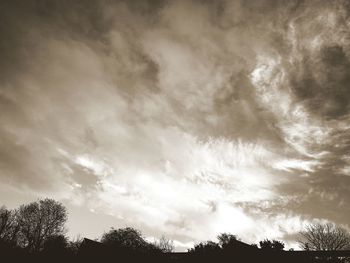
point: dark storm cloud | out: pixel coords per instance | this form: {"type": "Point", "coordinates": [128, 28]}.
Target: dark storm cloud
{"type": "Point", "coordinates": [240, 106]}
{"type": "Point", "coordinates": [324, 84]}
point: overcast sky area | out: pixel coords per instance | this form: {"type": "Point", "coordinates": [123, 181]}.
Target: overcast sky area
{"type": "Point", "coordinates": [182, 118]}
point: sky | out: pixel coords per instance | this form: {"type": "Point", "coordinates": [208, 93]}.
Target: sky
{"type": "Point", "coordinates": [179, 118]}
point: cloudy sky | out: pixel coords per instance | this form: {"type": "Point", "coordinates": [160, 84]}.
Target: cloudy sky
{"type": "Point", "coordinates": [183, 118]}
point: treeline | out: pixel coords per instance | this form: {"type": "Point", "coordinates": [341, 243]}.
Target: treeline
{"type": "Point", "coordinates": [39, 228]}
{"type": "Point", "coordinates": [229, 242]}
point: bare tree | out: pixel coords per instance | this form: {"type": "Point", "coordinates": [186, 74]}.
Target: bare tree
{"type": "Point", "coordinates": [5, 221]}
{"type": "Point", "coordinates": [9, 228]}
{"type": "Point", "coordinates": [40, 220]}
{"type": "Point", "coordinates": [324, 237]}
{"type": "Point", "coordinates": [75, 244]}
{"type": "Point", "coordinates": [165, 245]}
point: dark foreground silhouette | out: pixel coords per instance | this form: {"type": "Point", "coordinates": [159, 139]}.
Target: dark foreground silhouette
{"type": "Point", "coordinates": [237, 251]}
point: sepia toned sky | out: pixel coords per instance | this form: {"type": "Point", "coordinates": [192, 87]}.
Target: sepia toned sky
{"type": "Point", "coordinates": [182, 118]}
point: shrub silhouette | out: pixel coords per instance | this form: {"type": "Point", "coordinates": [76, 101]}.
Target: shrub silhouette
{"type": "Point", "coordinates": [273, 245]}
{"type": "Point", "coordinates": [56, 244]}
{"type": "Point", "coordinates": [128, 239]}
{"type": "Point", "coordinates": [227, 240]}
{"type": "Point", "coordinates": [165, 245]}
{"type": "Point", "coordinates": [205, 248]}
{"type": "Point", "coordinates": [75, 244]}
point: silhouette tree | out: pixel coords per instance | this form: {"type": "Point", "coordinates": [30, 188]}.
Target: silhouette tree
{"type": "Point", "coordinates": [226, 240]}
{"type": "Point", "coordinates": [39, 221]}
{"type": "Point", "coordinates": [165, 245]}
{"type": "Point", "coordinates": [208, 247]}
{"type": "Point", "coordinates": [274, 245]}
{"type": "Point", "coordinates": [126, 238]}
{"type": "Point", "coordinates": [324, 237]}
